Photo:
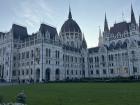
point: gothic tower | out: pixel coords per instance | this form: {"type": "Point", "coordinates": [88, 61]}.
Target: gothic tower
{"type": "Point", "coordinates": [106, 32]}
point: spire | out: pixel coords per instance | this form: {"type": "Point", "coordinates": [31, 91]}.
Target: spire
{"type": "Point", "coordinates": [100, 34]}
{"type": "Point", "coordinates": [100, 38]}
{"type": "Point", "coordinates": [70, 15]}
{"type": "Point", "coordinates": [133, 20]}
{"type": "Point", "coordinates": [84, 43]}
{"type": "Point", "coordinates": [106, 29]}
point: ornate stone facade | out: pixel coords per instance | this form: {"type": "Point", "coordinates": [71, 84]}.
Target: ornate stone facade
{"type": "Point", "coordinates": [47, 56]}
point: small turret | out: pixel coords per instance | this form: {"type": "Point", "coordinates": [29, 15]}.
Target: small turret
{"type": "Point", "coordinates": [100, 43]}
{"type": "Point", "coordinates": [133, 20]}
{"type": "Point", "coordinates": [84, 43]}
{"type": "Point", "coordinates": [70, 15]}
{"type": "Point", "coordinates": [106, 29]}
{"type": "Point", "coordinates": [106, 32]}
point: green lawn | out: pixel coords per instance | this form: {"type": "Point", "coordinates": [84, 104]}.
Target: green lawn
{"type": "Point", "coordinates": [76, 93]}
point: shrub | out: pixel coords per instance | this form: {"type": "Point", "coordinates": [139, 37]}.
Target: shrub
{"type": "Point", "coordinates": [21, 98]}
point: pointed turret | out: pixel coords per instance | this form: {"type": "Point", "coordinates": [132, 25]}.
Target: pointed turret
{"type": "Point", "coordinates": [133, 20]}
{"type": "Point", "coordinates": [84, 43]}
{"type": "Point", "coordinates": [100, 38]}
{"type": "Point", "coordinates": [100, 33]}
{"type": "Point", "coordinates": [106, 29]}
{"type": "Point", "coordinates": [70, 15]}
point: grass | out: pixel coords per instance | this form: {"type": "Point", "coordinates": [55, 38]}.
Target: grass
{"type": "Point", "coordinates": [76, 93]}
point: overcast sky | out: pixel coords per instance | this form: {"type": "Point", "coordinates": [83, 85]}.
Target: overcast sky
{"type": "Point", "coordinates": [89, 14]}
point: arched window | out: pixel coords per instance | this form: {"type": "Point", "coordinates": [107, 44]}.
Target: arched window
{"type": "Point", "coordinates": [57, 74]}
{"type": "Point", "coordinates": [31, 71]}
{"type": "Point", "coordinates": [72, 43]}
{"type": "Point", "coordinates": [125, 33]}
{"type": "Point", "coordinates": [126, 40]}
{"type": "Point", "coordinates": [119, 44]}
{"type": "Point", "coordinates": [27, 71]}
{"type": "Point", "coordinates": [37, 75]}
{"type": "Point", "coordinates": [133, 52]}
{"type": "Point", "coordinates": [91, 72]}
{"type": "Point", "coordinates": [47, 74]}
{"type": "Point", "coordinates": [67, 72]}
{"type": "Point", "coordinates": [68, 43]}
{"type": "Point", "coordinates": [97, 72]}
{"type": "Point", "coordinates": [22, 72]}
{"type": "Point", "coordinates": [124, 45]}
{"type": "Point", "coordinates": [112, 45]}
{"type": "Point", "coordinates": [103, 58]}
{"type": "Point", "coordinates": [71, 35]}
{"type": "Point", "coordinates": [71, 72]}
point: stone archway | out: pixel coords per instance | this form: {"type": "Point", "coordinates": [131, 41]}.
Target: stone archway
{"type": "Point", "coordinates": [37, 75]}
{"type": "Point", "coordinates": [83, 73]}
{"type": "Point", "coordinates": [57, 74]}
{"type": "Point", "coordinates": [47, 74]}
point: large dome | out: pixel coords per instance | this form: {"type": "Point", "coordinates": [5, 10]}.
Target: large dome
{"type": "Point", "coordinates": [70, 25]}
{"type": "Point", "coordinates": [70, 33]}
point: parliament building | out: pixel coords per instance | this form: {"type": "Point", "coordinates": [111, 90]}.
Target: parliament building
{"type": "Point", "coordinates": [49, 56]}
